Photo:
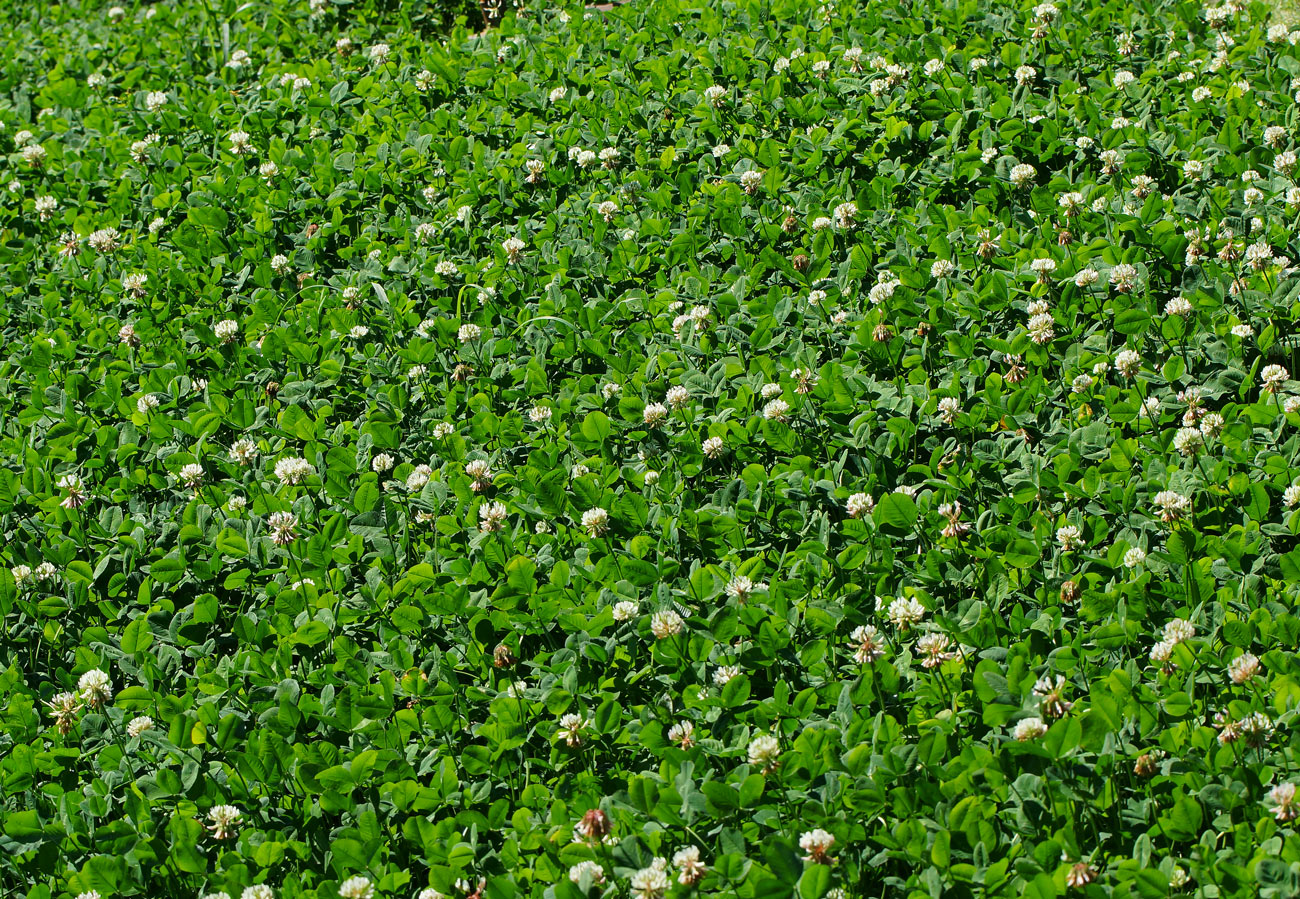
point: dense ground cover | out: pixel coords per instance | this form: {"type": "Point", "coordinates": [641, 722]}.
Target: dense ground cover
{"type": "Point", "coordinates": [750, 449]}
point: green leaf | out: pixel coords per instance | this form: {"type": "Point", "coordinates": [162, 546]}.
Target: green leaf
{"type": "Point", "coordinates": [367, 496]}
{"type": "Point", "coordinates": [785, 864]}
{"type": "Point", "coordinates": [1183, 821]}
{"type": "Point", "coordinates": [101, 873]}
{"type": "Point", "coordinates": [232, 543]}
{"type": "Point", "coordinates": [208, 217]}
{"type": "Point", "coordinates": [751, 790]}
{"type": "Point", "coordinates": [167, 570]}
{"type": "Point", "coordinates": [896, 511]}
{"type": "Point", "coordinates": [137, 635]}
{"type": "Point", "coordinates": [814, 882]}
{"type": "Point", "coordinates": [312, 633]}
{"type": "Point", "coordinates": [596, 427]}
{"type": "Point", "coordinates": [1132, 321]}
{"type": "Point", "coordinates": [23, 825]}
{"type": "Point", "coordinates": [608, 717]}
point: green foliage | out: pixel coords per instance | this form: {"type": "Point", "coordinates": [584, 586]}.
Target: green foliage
{"type": "Point", "coordinates": [853, 443]}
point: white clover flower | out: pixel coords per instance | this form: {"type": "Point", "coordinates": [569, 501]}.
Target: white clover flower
{"type": "Point", "coordinates": [103, 240]}
{"type": "Point", "coordinates": [540, 414]}
{"type": "Point", "coordinates": [491, 516]}
{"type": "Point", "coordinates": [1041, 328]}
{"type": "Point", "coordinates": [1189, 441]}
{"type": "Point", "coordinates": [1243, 668]}
{"type": "Point", "coordinates": [134, 284]}
{"type": "Point", "coordinates": [1022, 174]}
{"type": "Point", "coordinates": [1178, 631]}
{"type": "Point", "coordinates": [816, 843]}
{"type": "Point", "coordinates": [1029, 729]}
{"type": "Point", "coordinates": [740, 588]}
{"type": "Point", "coordinates": [1128, 363]}
{"type": "Point", "coordinates": [666, 623]}
{"type": "Point", "coordinates": [763, 750]}
{"type": "Point", "coordinates": [776, 410]}
{"type": "Point", "coordinates": [293, 470]}
{"type": "Point", "coordinates": [687, 861]}
{"type": "Point", "coordinates": [859, 504]}
{"type": "Point", "coordinates": [677, 396]}
{"type": "Point", "coordinates": [868, 645]}
{"type": "Point", "coordinates": [1171, 505]}
{"type": "Point", "coordinates": [1068, 536]}
{"type": "Point", "coordinates": [649, 883]}
{"type": "Point", "coordinates": [282, 525]}
{"type": "Point", "coordinates": [942, 268]}
{"type": "Point", "coordinates": [654, 414]}
{"type": "Point", "coordinates": [358, 887]}
{"type": "Point", "coordinates": [45, 207]}
{"type": "Point", "coordinates": [225, 819]}
{"type": "Point", "coordinates": [588, 868]}
{"type": "Point", "coordinates": [724, 674]}
{"type": "Point", "coordinates": [1273, 377]}
{"type": "Point", "coordinates": [226, 330]}
{"type": "Point", "coordinates": [94, 685]}
{"type": "Point", "coordinates": [595, 521]}
{"type": "Point", "coordinates": [1124, 277]}
{"type": "Point", "coordinates": [139, 725]}
{"type": "Point", "coordinates": [1283, 799]}
{"type": "Point", "coordinates": [904, 612]}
